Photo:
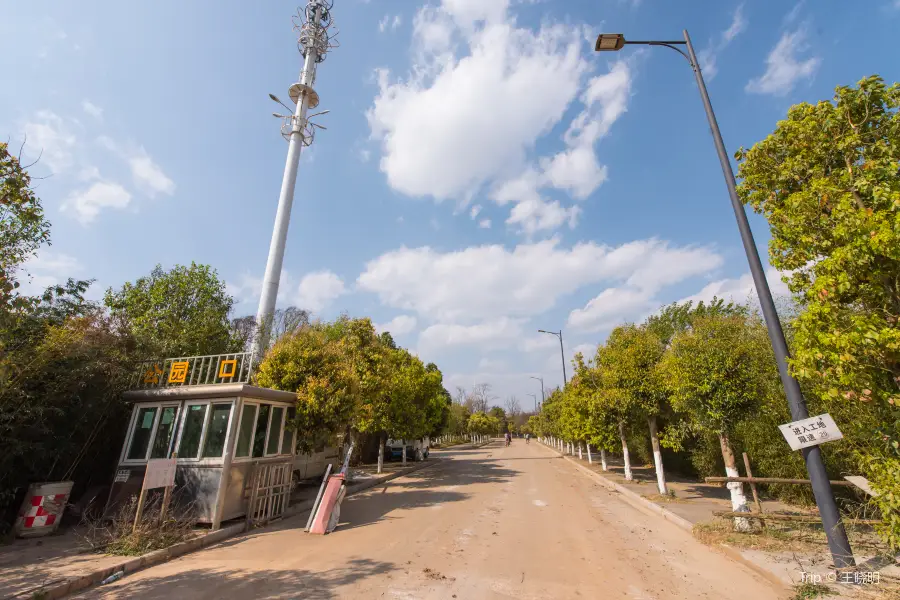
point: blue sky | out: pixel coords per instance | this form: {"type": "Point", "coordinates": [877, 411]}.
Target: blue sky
{"type": "Point", "coordinates": [484, 173]}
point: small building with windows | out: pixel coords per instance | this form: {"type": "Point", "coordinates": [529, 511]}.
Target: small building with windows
{"type": "Point", "coordinates": [219, 430]}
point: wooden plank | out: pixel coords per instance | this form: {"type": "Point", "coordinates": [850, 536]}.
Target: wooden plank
{"type": "Point", "coordinates": [796, 518]}
{"type": "Point", "coordinates": [768, 480]}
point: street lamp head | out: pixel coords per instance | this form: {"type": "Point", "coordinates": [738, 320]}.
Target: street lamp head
{"type": "Point", "coordinates": [609, 42]}
{"type": "Point", "coordinates": [543, 331]}
{"type": "Point", "coordinates": [275, 98]}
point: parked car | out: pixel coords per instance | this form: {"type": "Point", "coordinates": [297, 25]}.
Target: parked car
{"type": "Point", "coordinates": [313, 465]}
{"type": "Point", "coordinates": [415, 449]}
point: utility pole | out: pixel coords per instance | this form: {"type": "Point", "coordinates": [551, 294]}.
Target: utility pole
{"type": "Point", "coordinates": [315, 38]}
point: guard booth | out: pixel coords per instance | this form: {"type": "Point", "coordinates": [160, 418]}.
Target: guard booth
{"type": "Point", "coordinates": [234, 455]}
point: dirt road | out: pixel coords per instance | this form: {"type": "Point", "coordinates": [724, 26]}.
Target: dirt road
{"type": "Point", "coordinates": [496, 522]}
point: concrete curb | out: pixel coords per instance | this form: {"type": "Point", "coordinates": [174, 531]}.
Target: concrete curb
{"type": "Point", "coordinates": [652, 508]}
{"type": "Point", "coordinates": [129, 566]}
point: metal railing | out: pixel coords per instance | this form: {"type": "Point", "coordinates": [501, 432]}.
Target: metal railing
{"type": "Point", "coordinates": [194, 370]}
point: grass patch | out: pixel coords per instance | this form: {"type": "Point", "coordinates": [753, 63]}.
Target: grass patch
{"type": "Point", "coordinates": [809, 591]}
{"type": "Point", "coordinates": [784, 536]}
{"type": "Point", "coordinates": [119, 536]}
{"type": "Point", "coordinates": [769, 539]}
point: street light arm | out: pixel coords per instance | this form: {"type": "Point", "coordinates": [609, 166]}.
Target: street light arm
{"type": "Point", "coordinates": [667, 45]}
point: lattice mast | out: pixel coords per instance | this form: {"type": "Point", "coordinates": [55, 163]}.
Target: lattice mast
{"type": "Point", "coordinates": [316, 35]}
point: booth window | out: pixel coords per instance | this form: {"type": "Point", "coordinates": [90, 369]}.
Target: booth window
{"type": "Point", "coordinates": [274, 443]}
{"type": "Point", "coordinates": [140, 437]}
{"type": "Point", "coordinates": [216, 430]}
{"type": "Point", "coordinates": [262, 424]}
{"type": "Point", "coordinates": [287, 440]}
{"type": "Point", "coordinates": [192, 431]}
{"type": "Point", "coordinates": [164, 432]}
{"type": "Point", "coordinates": [245, 433]}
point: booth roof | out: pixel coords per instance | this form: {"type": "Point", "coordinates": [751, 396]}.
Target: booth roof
{"type": "Point", "coordinates": [222, 390]}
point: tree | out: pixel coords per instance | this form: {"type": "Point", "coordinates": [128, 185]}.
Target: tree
{"type": "Point", "coordinates": [633, 355]}
{"type": "Point", "coordinates": [513, 408]}
{"type": "Point", "coordinates": [827, 181]}
{"type": "Point", "coordinates": [717, 373]}
{"type": "Point", "coordinates": [180, 312]}
{"type": "Point", "coordinates": [314, 364]}
{"type": "Point", "coordinates": [482, 397]}
{"type": "Point", "coordinates": [23, 228]}
{"type": "Point", "coordinates": [499, 416]}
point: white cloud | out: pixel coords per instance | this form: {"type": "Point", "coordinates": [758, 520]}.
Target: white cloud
{"type": "Point", "coordinates": [539, 341]}
{"type": "Point", "coordinates": [588, 351]}
{"type": "Point", "coordinates": [783, 68]}
{"type": "Point", "coordinates": [317, 290]}
{"type": "Point", "coordinates": [388, 23]}
{"type": "Point", "coordinates": [100, 195]}
{"type": "Point", "coordinates": [475, 210]}
{"type": "Point", "coordinates": [494, 333]}
{"type": "Point", "coordinates": [535, 214]}
{"type": "Point", "coordinates": [399, 325]}
{"type": "Point", "coordinates": [458, 122]}
{"type": "Point", "coordinates": [46, 269]}
{"type": "Point", "coordinates": [707, 57]}
{"type": "Point", "coordinates": [740, 290]}
{"type": "Point", "coordinates": [484, 224]}
{"type": "Point", "coordinates": [147, 175]}
{"type": "Point", "coordinates": [654, 271]}
{"type": "Point", "coordinates": [489, 282]}
{"type": "Point", "coordinates": [249, 288]}
{"type": "Point", "coordinates": [467, 117]}
{"type": "Point", "coordinates": [50, 136]}
{"type": "Point", "coordinates": [92, 109]}
{"type": "Point", "coordinates": [609, 308]}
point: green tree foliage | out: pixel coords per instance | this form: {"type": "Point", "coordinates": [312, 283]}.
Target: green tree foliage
{"type": "Point", "coordinates": [827, 181]}
{"type": "Point", "coordinates": [62, 374]}
{"type": "Point", "coordinates": [349, 378]}
{"type": "Point", "coordinates": [23, 228]}
{"type": "Point", "coordinates": [180, 312]}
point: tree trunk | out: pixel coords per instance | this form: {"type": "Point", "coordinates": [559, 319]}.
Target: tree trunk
{"type": "Point", "coordinates": [579, 451]}
{"type": "Point", "coordinates": [404, 451]}
{"type": "Point", "coordinates": [627, 461]}
{"type": "Point", "coordinates": [657, 456]}
{"type": "Point", "coordinates": [590, 459]}
{"type": "Point", "coordinates": [381, 442]}
{"type": "Point", "coordinates": [603, 464]}
{"type": "Point", "coordinates": [738, 500]}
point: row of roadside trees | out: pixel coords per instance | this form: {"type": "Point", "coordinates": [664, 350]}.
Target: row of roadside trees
{"type": "Point", "coordinates": [350, 379]}
{"type": "Point", "coordinates": [699, 382]}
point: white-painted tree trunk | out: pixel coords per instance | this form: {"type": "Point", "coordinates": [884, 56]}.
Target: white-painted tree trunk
{"type": "Point", "coordinates": [657, 456]}
{"type": "Point", "coordinates": [381, 441]}
{"type": "Point", "coordinates": [590, 459]}
{"type": "Point", "coordinates": [738, 499]}
{"type": "Point", "coordinates": [579, 451]}
{"type": "Point", "coordinates": [603, 464]}
{"type": "Point", "coordinates": [404, 451]}
{"type": "Point", "coordinates": [625, 458]}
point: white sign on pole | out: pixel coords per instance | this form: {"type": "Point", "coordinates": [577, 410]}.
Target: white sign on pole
{"type": "Point", "coordinates": [122, 476]}
{"type": "Point", "coordinates": [160, 473]}
{"type": "Point", "coordinates": [811, 431]}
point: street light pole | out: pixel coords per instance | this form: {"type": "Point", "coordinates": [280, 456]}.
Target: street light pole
{"type": "Point", "coordinates": [562, 352]}
{"type": "Point", "coordinates": [541, 379]}
{"type": "Point", "coordinates": [838, 543]}
{"type": "Point", "coordinates": [535, 401]}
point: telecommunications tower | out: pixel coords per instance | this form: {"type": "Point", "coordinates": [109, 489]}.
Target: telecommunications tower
{"type": "Point", "coordinates": [315, 37]}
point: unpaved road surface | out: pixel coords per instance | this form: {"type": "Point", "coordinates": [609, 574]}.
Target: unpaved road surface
{"type": "Point", "coordinates": [495, 522]}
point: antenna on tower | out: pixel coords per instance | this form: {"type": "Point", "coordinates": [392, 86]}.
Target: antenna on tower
{"type": "Point", "coordinates": [316, 36]}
